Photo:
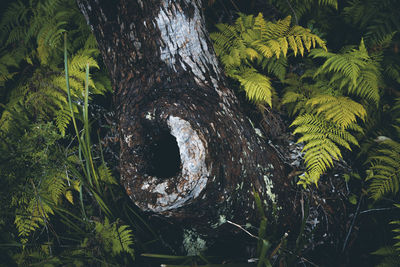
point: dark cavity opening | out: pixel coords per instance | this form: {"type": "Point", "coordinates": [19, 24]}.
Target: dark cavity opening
{"type": "Point", "coordinates": [164, 159]}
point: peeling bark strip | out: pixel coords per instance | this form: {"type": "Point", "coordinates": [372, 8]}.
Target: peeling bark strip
{"type": "Point", "coordinates": [186, 148]}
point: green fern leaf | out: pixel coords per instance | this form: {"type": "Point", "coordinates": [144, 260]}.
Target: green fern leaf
{"type": "Point", "coordinates": [115, 239]}
{"type": "Point", "coordinates": [385, 170]}
{"type": "Point", "coordinates": [322, 139]}
{"type": "Point", "coordinates": [352, 71]}
{"type": "Point", "coordinates": [347, 64]}
{"type": "Point", "coordinates": [341, 110]}
{"type": "Point", "coordinates": [63, 117]}
{"type": "Point", "coordinates": [105, 174]}
{"type": "Point", "coordinates": [301, 7]}
{"type": "Point", "coordinates": [253, 40]}
{"type": "Point", "coordinates": [258, 88]}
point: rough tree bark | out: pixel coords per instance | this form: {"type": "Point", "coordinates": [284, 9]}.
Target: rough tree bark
{"type": "Point", "coordinates": [187, 151]}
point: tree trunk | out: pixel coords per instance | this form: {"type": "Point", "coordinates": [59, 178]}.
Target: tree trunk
{"type": "Point", "coordinates": [188, 153]}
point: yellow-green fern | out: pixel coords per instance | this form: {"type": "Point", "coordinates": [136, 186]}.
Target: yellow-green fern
{"type": "Point", "coordinates": [257, 86]}
{"type": "Point", "coordinates": [298, 92]}
{"type": "Point", "coordinates": [352, 71]}
{"type": "Point", "coordinates": [385, 170]}
{"type": "Point", "coordinates": [34, 211]}
{"type": "Point", "coordinates": [40, 89]}
{"type": "Point", "coordinates": [105, 174]}
{"type": "Point", "coordinates": [340, 110]}
{"type": "Point", "coordinates": [115, 239]}
{"type": "Point", "coordinates": [253, 42]}
{"type": "Point", "coordinates": [396, 232]}
{"type": "Point", "coordinates": [323, 139]}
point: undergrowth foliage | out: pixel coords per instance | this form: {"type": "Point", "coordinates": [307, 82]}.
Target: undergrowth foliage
{"type": "Point", "coordinates": [299, 8]}
{"type": "Point", "coordinates": [385, 169]}
{"type": "Point", "coordinates": [61, 202]}
{"type": "Point", "coordinates": [327, 115]}
{"type": "Point", "coordinates": [333, 117]}
{"type": "Point", "coordinates": [33, 57]}
{"type": "Point", "coordinates": [352, 72]}
{"type": "Point", "coordinates": [252, 43]}
{"type": "Point", "coordinates": [377, 19]}
{"type": "Point", "coordinates": [49, 184]}
{"type": "Point", "coordinates": [339, 100]}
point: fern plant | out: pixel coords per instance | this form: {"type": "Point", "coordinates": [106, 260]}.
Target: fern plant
{"type": "Point", "coordinates": [326, 123]}
{"type": "Point", "coordinates": [376, 19]}
{"type": "Point", "coordinates": [38, 168]}
{"type": "Point", "coordinates": [253, 43]}
{"type": "Point", "coordinates": [385, 169]}
{"type": "Point", "coordinates": [298, 91]}
{"type": "Point", "coordinates": [37, 93]}
{"type": "Point", "coordinates": [44, 94]}
{"type": "Point", "coordinates": [396, 232]}
{"type": "Point", "coordinates": [39, 26]}
{"type": "Point", "coordinates": [34, 212]}
{"type": "Point", "coordinates": [115, 238]}
{"type": "Point", "coordinates": [353, 71]}
{"type": "Point", "coordinates": [8, 61]}
{"type": "Point", "coordinates": [391, 254]}
{"type": "Point", "coordinates": [341, 110]}
{"type": "Point", "coordinates": [323, 138]}
{"type": "Point", "coordinates": [322, 98]}
{"type": "Point", "coordinates": [298, 8]}
{"type": "Point", "coordinates": [384, 161]}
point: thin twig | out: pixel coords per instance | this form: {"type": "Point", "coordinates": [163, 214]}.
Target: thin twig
{"type": "Point", "coordinates": [235, 6]}
{"type": "Point", "coordinates": [371, 210]}
{"type": "Point", "coordinates": [301, 258]}
{"type": "Point", "coordinates": [294, 13]}
{"type": "Point", "coordinates": [240, 227]}
{"type": "Point", "coordinates": [352, 224]}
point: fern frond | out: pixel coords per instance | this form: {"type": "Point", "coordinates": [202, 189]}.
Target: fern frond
{"type": "Point", "coordinates": [12, 18]}
{"type": "Point", "coordinates": [39, 26]}
{"type": "Point", "coordinates": [116, 239]}
{"type": "Point", "coordinates": [105, 174]}
{"type": "Point", "coordinates": [341, 110]}
{"type": "Point", "coordinates": [293, 97]}
{"type": "Point", "coordinates": [63, 117]}
{"type": "Point", "coordinates": [7, 61]}
{"type": "Point", "coordinates": [393, 71]}
{"type": "Point", "coordinates": [367, 84]}
{"type": "Point", "coordinates": [352, 71]}
{"type": "Point", "coordinates": [390, 254]}
{"type": "Point", "coordinates": [252, 40]}
{"type": "Point", "coordinates": [348, 64]}
{"type": "Point", "coordinates": [79, 60]}
{"type": "Point", "coordinates": [375, 18]}
{"type": "Point", "coordinates": [267, 38]}
{"type": "Point", "coordinates": [55, 187]}
{"type": "Point", "coordinates": [36, 211]}
{"type": "Point", "coordinates": [385, 170]}
{"type": "Point", "coordinates": [31, 217]}
{"type": "Point", "coordinates": [302, 7]}
{"type": "Point", "coordinates": [279, 37]}
{"type": "Point", "coordinates": [258, 88]}
{"type": "Point", "coordinates": [26, 224]}
{"type": "Point", "coordinates": [322, 139]}
{"type": "Point", "coordinates": [396, 233]}
{"type": "Point", "coordinates": [298, 92]}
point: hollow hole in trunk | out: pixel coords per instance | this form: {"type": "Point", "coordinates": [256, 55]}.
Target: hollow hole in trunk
{"type": "Point", "coordinates": [163, 158]}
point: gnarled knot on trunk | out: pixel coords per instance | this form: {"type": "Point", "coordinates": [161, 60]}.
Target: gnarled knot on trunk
{"type": "Point", "coordinates": [175, 169]}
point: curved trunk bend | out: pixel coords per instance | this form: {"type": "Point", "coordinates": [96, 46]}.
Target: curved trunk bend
{"type": "Point", "coordinates": [186, 147]}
